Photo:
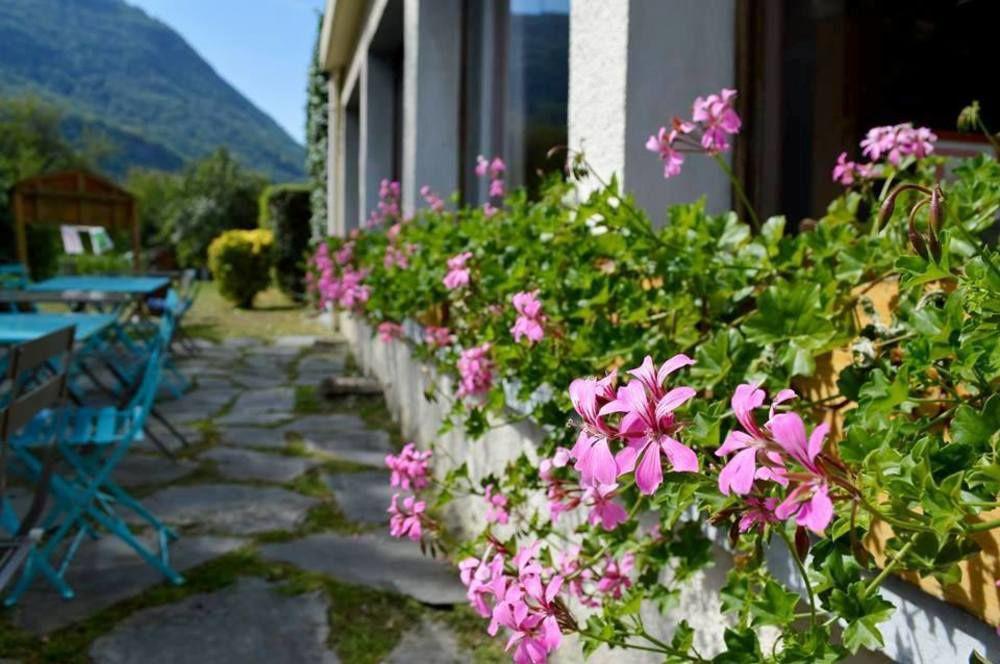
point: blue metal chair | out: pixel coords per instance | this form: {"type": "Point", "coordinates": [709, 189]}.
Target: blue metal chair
{"type": "Point", "coordinates": [34, 374]}
{"type": "Point", "coordinates": [93, 442]}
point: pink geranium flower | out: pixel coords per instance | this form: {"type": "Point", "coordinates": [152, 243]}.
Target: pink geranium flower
{"type": "Point", "coordinates": [410, 468]}
{"type": "Point", "coordinates": [756, 454]}
{"type": "Point", "coordinates": [458, 272]}
{"type": "Point", "coordinates": [475, 370]}
{"type": "Point", "coordinates": [648, 423]}
{"type": "Point", "coordinates": [496, 510]}
{"type": "Point", "coordinates": [809, 502]}
{"type": "Point", "coordinates": [387, 331]}
{"type": "Point", "coordinates": [603, 509]}
{"type": "Point", "coordinates": [438, 337]}
{"type": "Point", "coordinates": [530, 320]}
{"type": "Point", "coordinates": [404, 521]}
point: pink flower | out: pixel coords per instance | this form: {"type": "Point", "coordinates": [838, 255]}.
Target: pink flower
{"type": "Point", "coordinates": [592, 450]}
{"type": "Point", "coordinates": [409, 467]}
{"type": "Point", "coordinates": [898, 141]}
{"type": "Point", "coordinates": [458, 274]}
{"type": "Point", "coordinates": [496, 189]}
{"type": "Point", "coordinates": [387, 331]}
{"type": "Point", "coordinates": [648, 423]}
{"type": "Point", "coordinates": [530, 319]}
{"type": "Point", "coordinates": [395, 257]}
{"type": "Point", "coordinates": [433, 200]}
{"type": "Point", "coordinates": [809, 502]}
{"type": "Point", "coordinates": [718, 120]}
{"type": "Point", "coordinates": [438, 337]}
{"type": "Point", "coordinates": [483, 580]}
{"type": "Point", "coordinates": [615, 576]}
{"type": "Point", "coordinates": [603, 509]}
{"type": "Point", "coordinates": [490, 210]}
{"type": "Point", "coordinates": [759, 512]}
{"type": "Point", "coordinates": [475, 370]}
{"type": "Point", "coordinates": [405, 521]}
{"type": "Point", "coordinates": [757, 456]}
{"type": "Point", "coordinates": [345, 254]}
{"type": "Point", "coordinates": [533, 633]}
{"type": "Point", "coordinates": [496, 511]}
{"type": "Point", "coordinates": [482, 165]}
{"type": "Point", "coordinates": [497, 167]}
{"type": "Point", "coordinates": [662, 144]}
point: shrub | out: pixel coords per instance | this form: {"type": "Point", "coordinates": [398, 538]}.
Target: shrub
{"type": "Point", "coordinates": [95, 264]}
{"type": "Point", "coordinates": [285, 211]}
{"type": "Point", "coordinates": [240, 262]}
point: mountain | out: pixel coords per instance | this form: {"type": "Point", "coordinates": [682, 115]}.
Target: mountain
{"type": "Point", "coordinates": [117, 73]}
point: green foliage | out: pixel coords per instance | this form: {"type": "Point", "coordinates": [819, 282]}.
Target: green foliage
{"type": "Point", "coordinates": [918, 403]}
{"type": "Point", "coordinates": [240, 262]}
{"type": "Point", "coordinates": [317, 132]}
{"type": "Point", "coordinates": [285, 211]}
{"type": "Point", "coordinates": [95, 264]}
{"type": "Point", "coordinates": [129, 82]}
{"type": "Point", "coordinates": [188, 210]}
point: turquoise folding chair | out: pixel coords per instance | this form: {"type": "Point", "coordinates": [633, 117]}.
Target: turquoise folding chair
{"type": "Point", "coordinates": [93, 442]}
{"type": "Point", "coordinates": [14, 276]}
{"type": "Point", "coordinates": [35, 376]}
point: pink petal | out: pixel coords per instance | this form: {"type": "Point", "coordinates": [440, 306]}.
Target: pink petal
{"type": "Point", "coordinates": [738, 475]}
{"type": "Point", "coordinates": [817, 513]}
{"type": "Point", "coordinates": [672, 365]}
{"type": "Point", "coordinates": [780, 398]}
{"type": "Point", "coordinates": [673, 400]}
{"type": "Point", "coordinates": [816, 440]}
{"type": "Point", "coordinates": [602, 465]}
{"type": "Point", "coordinates": [681, 457]}
{"type": "Point", "coordinates": [745, 399]}
{"type": "Point", "coordinates": [790, 433]}
{"type": "Point", "coordinates": [735, 440]}
{"type": "Point", "coordinates": [649, 473]}
{"type": "Point", "coordinates": [625, 459]}
{"type": "Point", "coordinates": [646, 373]}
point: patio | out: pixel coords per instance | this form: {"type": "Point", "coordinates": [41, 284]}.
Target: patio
{"type": "Point", "coordinates": [280, 502]}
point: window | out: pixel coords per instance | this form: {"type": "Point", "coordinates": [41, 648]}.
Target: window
{"type": "Point", "coordinates": [515, 87]}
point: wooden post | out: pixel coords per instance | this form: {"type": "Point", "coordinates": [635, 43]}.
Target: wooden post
{"type": "Point", "coordinates": [21, 231]}
{"type": "Point", "coordinates": [133, 218]}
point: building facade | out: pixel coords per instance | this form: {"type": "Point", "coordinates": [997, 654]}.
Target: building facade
{"type": "Point", "coordinates": [419, 88]}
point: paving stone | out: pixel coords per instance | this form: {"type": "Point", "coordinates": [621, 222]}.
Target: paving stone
{"type": "Point", "coordinates": [250, 622]}
{"type": "Point", "coordinates": [266, 406]}
{"type": "Point", "coordinates": [247, 465]}
{"type": "Point", "coordinates": [375, 560]}
{"type": "Point", "coordinates": [314, 368]}
{"type": "Point", "coordinates": [230, 508]}
{"type": "Point", "coordinates": [241, 342]}
{"type": "Point", "coordinates": [345, 386]}
{"type": "Point", "coordinates": [429, 641]}
{"type": "Point", "coordinates": [146, 469]}
{"type": "Point", "coordinates": [259, 380]}
{"type": "Point", "coordinates": [363, 496]}
{"type": "Point", "coordinates": [262, 437]}
{"type": "Point", "coordinates": [104, 573]}
{"type": "Point", "coordinates": [199, 404]}
{"type": "Point", "coordinates": [190, 433]}
{"type": "Point", "coordinates": [268, 362]}
{"type": "Point", "coordinates": [296, 341]}
{"type": "Point", "coordinates": [367, 447]}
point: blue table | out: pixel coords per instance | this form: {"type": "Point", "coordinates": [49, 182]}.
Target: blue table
{"type": "Point", "coordinates": [122, 284]}
{"type": "Point", "coordinates": [20, 327]}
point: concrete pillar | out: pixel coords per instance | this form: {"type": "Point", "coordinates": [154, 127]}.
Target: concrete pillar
{"type": "Point", "coordinates": [334, 223]}
{"type": "Point", "coordinates": [646, 61]}
{"type": "Point", "coordinates": [377, 128]}
{"type": "Point", "coordinates": [432, 45]}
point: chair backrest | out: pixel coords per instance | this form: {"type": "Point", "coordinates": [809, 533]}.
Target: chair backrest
{"type": "Point", "coordinates": [37, 373]}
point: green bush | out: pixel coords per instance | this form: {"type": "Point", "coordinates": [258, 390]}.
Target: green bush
{"type": "Point", "coordinates": [285, 211]}
{"type": "Point", "coordinates": [95, 264]}
{"type": "Point", "coordinates": [240, 262]}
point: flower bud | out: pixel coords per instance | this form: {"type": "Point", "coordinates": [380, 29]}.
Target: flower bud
{"type": "Point", "coordinates": [886, 209]}
{"type": "Point", "coordinates": [916, 239]}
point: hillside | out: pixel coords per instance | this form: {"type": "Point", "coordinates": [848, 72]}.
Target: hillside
{"type": "Point", "coordinates": [117, 72]}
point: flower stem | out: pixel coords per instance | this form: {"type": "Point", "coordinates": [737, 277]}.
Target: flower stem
{"type": "Point", "coordinates": [887, 570]}
{"type": "Point", "coordinates": [802, 572]}
{"type": "Point", "coordinates": [983, 526]}
{"type": "Point", "coordinates": [740, 192]}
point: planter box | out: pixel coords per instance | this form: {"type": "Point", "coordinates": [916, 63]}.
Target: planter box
{"type": "Point", "coordinates": [922, 629]}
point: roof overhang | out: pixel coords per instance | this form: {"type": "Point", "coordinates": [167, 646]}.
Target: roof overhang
{"type": "Point", "coordinates": [341, 27]}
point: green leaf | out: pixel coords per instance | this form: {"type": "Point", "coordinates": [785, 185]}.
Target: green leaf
{"type": "Point", "coordinates": [976, 427]}
{"type": "Point", "coordinates": [774, 605]}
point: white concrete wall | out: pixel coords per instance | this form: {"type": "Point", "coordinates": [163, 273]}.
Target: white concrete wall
{"type": "Point", "coordinates": [922, 630]}
{"type": "Point", "coordinates": [634, 64]}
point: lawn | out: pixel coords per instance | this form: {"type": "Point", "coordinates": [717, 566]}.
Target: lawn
{"type": "Point", "coordinates": [273, 315]}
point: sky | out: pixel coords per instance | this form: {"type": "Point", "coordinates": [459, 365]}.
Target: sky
{"type": "Point", "coordinates": [262, 47]}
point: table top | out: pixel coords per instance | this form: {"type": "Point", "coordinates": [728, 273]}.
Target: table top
{"type": "Point", "coordinates": [122, 284]}
{"type": "Point", "coordinates": [21, 327]}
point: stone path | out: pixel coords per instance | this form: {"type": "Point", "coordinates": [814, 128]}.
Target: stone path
{"type": "Point", "coordinates": [280, 514]}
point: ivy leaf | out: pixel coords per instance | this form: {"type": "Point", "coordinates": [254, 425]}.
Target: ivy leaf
{"type": "Point", "coordinates": [774, 605]}
{"type": "Point", "coordinates": [742, 647]}
{"type": "Point", "coordinates": [881, 396]}
{"type": "Point", "coordinates": [862, 614]}
{"type": "Point", "coordinates": [974, 427]}
{"type": "Point", "coordinates": [683, 637]}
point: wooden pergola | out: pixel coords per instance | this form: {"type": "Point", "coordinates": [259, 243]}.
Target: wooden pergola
{"type": "Point", "coordinates": [78, 198]}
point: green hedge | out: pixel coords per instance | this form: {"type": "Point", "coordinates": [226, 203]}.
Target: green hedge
{"type": "Point", "coordinates": [285, 211]}
{"type": "Point", "coordinates": [241, 264]}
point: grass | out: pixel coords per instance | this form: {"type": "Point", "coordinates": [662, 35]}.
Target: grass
{"type": "Point", "coordinates": [274, 315]}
